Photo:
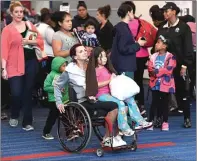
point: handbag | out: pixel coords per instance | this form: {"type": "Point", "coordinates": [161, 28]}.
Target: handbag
{"type": "Point", "coordinates": [40, 54]}
{"type": "Point", "coordinates": [123, 87]}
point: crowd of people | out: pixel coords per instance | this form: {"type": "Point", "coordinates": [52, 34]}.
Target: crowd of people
{"type": "Point", "coordinates": [88, 53]}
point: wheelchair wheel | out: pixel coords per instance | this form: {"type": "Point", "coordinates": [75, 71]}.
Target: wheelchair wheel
{"type": "Point", "coordinates": [74, 128]}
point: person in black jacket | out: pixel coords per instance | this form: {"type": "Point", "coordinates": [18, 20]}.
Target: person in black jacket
{"type": "Point", "coordinates": [80, 19]}
{"type": "Point", "coordinates": [124, 47]}
{"type": "Point", "coordinates": [180, 36]}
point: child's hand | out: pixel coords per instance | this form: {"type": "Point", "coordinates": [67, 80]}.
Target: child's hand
{"type": "Point", "coordinates": [92, 98]}
{"type": "Point", "coordinates": [113, 76]}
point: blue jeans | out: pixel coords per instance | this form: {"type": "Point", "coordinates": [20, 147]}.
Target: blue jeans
{"type": "Point", "coordinates": [21, 88]}
{"type": "Point", "coordinates": [122, 115]}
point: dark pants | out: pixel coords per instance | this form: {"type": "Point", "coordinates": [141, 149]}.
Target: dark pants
{"type": "Point", "coordinates": [182, 95]}
{"type": "Point", "coordinates": [5, 92]}
{"type": "Point", "coordinates": [51, 119]}
{"type": "Point", "coordinates": [138, 77]}
{"type": "Point", "coordinates": [160, 102]}
{"type": "Point", "coordinates": [21, 88]}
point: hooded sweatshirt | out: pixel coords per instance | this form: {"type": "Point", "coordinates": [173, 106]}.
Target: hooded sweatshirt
{"type": "Point", "coordinates": [52, 78]}
{"type": "Point", "coordinates": [124, 48]}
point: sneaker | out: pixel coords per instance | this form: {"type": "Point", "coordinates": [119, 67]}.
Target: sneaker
{"type": "Point", "coordinates": [74, 134]}
{"type": "Point", "coordinates": [138, 127]}
{"type": "Point", "coordinates": [48, 136]}
{"type": "Point", "coordinates": [113, 141]}
{"type": "Point", "coordinates": [128, 132]}
{"type": "Point", "coordinates": [4, 116]}
{"type": "Point", "coordinates": [107, 141]}
{"type": "Point", "coordinates": [28, 128]}
{"type": "Point", "coordinates": [119, 139]}
{"type": "Point", "coordinates": [120, 133]}
{"type": "Point", "coordinates": [13, 122]}
{"type": "Point", "coordinates": [165, 126]}
{"type": "Point", "coordinates": [146, 124]}
{"type": "Point", "coordinates": [187, 123]}
{"type": "Point", "coordinates": [150, 128]}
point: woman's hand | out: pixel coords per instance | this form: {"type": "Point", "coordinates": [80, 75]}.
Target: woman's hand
{"type": "Point", "coordinates": [61, 108]}
{"type": "Point", "coordinates": [4, 74]}
{"type": "Point", "coordinates": [25, 41]}
{"type": "Point", "coordinates": [141, 42]}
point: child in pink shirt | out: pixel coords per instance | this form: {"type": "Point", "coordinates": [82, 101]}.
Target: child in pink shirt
{"type": "Point", "coordinates": [104, 72]}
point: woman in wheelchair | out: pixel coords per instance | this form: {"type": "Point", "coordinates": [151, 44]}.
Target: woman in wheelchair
{"type": "Point", "coordinates": [76, 75]}
{"type": "Point", "coordinates": [99, 73]}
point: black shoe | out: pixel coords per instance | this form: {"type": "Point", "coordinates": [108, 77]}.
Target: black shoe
{"type": "Point", "coordinates": [187, 123]}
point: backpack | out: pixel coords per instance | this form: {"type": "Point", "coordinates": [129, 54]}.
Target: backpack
{"type": "Point", "coordinates": [147, 31]}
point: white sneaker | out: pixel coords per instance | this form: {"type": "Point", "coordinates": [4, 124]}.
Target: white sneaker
{"type": "Point", "coordinates": [150, 128]}
{"type": "Point", "coordinates": [138, 127]}
{"type": "Point", "coordinates": [107, 141]}
{"type": "Point", "coordinates": [117, 141]}
{"type": "Point", "coordinates": [119, 138]}
{"type": "Point", "coordinates": [128, 132]}
{"type": "Point", "coordinates": [13, 122]}
{"type": "Point", "coordinates": [28, 128]}
{"type": "Point", "coordinates": [146, 125]}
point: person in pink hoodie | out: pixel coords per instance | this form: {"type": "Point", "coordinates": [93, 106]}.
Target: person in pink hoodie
{"type": "Point", "coordinates": [141, 58]}
{"type": "Point", "coordinates": [160, 68]}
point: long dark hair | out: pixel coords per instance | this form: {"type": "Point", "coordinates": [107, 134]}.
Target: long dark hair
{"type": "Point", "coordinates": [91, 80]}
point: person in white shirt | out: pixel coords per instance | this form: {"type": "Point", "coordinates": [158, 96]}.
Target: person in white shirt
{"type": "Point", "coordinates": [46, 32]}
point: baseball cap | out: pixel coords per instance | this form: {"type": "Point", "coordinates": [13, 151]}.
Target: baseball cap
{"type": "Point", "coordinates": [172, 6]}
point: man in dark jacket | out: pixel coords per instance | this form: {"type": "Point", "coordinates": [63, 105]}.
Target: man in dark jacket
{"type": "Point", "coordinates": [180, 36]}
{"type": "Point", "coordinates": [80, 19]}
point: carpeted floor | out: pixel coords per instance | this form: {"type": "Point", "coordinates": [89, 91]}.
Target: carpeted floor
{"type": "Point", "coordinates": [178, 144]}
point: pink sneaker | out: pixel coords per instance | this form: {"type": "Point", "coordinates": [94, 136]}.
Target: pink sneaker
{"type": "Point", "coordinates": [165, 126]}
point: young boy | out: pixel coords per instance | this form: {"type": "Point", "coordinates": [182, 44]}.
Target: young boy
{"type": "Point", "coordinates": [57, 67]}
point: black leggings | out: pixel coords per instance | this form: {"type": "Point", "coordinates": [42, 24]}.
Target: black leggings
{"type": "Point", "coordinates": [52, 117]}
{"type": "Point", "coordinates": [159, 101]}
{"type": "Point", "coordinates": [99, 109]}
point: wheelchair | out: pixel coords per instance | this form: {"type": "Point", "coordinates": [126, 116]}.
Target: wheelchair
{"type": "Point", "coordinates": [75, 128]}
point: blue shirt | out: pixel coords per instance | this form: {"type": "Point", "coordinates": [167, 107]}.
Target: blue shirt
{"type": "Point", "coordinates": [159, 63]}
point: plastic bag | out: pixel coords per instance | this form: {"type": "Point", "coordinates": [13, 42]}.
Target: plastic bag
{"type": "Point", "coordinates": [123, 87]}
